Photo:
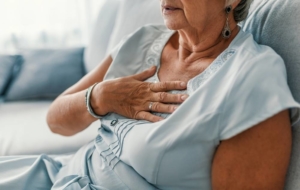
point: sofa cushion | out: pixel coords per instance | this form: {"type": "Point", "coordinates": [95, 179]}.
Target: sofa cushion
{"type": "Point", "coordinates": [23, 130]}
{"type": "Point", "coordinates": [132, 15]}
{"type": "Point", "coordinates": [7, 64]}
{"type": "Point", "coordinates": [276, 23]}
{"type": "Point", "coordinates": [96, 50]}
{"type": "Point", "coordinates": [46, 73]}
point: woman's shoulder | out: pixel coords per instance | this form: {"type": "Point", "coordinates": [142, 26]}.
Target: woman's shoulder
{"type": "Point", "coordinates": [253, 56]}
{"type": "Point", "coordinates": [258, 87]}
{"type": "Point", "coordinates": [246, 44]}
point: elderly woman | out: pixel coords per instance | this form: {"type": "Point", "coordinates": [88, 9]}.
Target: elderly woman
{"type": "Point", "coordinates": [195, 104]}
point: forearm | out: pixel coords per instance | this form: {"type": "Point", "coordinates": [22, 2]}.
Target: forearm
{"type": "Point", "coordinates": [68, 114]}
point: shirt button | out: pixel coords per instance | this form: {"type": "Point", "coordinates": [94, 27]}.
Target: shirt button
{"type": "Point", "coordinates": [114, 122]}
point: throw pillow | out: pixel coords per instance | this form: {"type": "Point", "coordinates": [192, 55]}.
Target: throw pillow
{"type": "Point", "coordinates": [46, 73]}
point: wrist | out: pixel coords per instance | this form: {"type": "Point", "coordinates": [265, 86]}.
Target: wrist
{"type": "Point", "coordinates": [92, 103]}
{"type": "Point", "coordinates": [96, 100]}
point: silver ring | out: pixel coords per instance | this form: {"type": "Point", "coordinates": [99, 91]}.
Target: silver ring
{"type": "Point", "coordinates": [150, 106]}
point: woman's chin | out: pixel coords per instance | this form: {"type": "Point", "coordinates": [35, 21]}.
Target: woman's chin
{"type": "Point", "coordinates": [172, 25]}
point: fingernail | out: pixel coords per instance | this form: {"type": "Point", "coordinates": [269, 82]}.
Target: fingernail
{"type": "Point", "coordinates": [182, 84]}
{"type": "Point", "coordinates": [184, 97]}
{"type": "Point", "coordinates": [175, 108]}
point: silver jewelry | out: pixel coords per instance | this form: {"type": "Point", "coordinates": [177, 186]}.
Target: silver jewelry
{"type": "Point", "coordinates": [226, 33]}
{"type": "Point", "coordinates": [150, 106]}
{"type": "Point", "coordinates": [88, 102]}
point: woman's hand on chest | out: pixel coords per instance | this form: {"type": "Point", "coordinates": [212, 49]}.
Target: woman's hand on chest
{"type": "Point", "coordinates": [133, 98]}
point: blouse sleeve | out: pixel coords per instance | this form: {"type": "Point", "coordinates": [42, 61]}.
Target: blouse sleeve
{"type": "Point", "coordinates": [259, 91]}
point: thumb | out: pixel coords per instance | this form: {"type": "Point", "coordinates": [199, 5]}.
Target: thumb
{"type": "Point", "coordinates": [145, 74]}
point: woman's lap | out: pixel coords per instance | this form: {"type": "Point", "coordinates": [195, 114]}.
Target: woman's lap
{"type": "Point", "coordinates": [37, 172]}
{"type": "Point", "coordinates": [83, 171]}
{"type": "Point", "coordinates": [34, 172]}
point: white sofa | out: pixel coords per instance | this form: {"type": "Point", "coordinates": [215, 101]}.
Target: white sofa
{"type": "Point", "coordinates": [23, 129]}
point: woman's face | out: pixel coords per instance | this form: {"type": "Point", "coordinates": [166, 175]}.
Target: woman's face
{"type": "Point", "coordinates": [180, 14]}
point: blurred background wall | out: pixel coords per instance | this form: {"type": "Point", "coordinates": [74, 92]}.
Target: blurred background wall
{"type": "Point", "coordinates": [45, 23]}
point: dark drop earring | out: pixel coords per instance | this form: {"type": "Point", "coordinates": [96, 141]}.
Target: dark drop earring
{"type": "Point", "coordinates": [226, 33]}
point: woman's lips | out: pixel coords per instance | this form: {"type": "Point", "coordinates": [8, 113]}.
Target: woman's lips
{"type": "Point", "coordinates": [169, 9]}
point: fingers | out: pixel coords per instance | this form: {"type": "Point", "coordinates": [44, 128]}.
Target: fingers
{"type": "Point", "coordinates": [143, 115]}
{"type": "Point", "coordinates": [155, 107]}
{"type": "Point", "coordinates": [145, 74]}
{"type": "Point", "coordinates": [167, 86]}
{"type": "Point", "coordinates": [166, 97]}
{"type": "Point", "coordinates": [162, 108]}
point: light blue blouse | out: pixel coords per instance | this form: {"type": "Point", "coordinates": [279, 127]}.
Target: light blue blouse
{"type": "Point", "coordinates": [244, 86]}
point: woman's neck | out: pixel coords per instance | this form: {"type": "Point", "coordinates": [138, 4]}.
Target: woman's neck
{"type": "Point", "coordinates": [193, 45]}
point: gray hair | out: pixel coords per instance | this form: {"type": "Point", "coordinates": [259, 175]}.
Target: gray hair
{"type": "Point", "coordinates": [240, 13]}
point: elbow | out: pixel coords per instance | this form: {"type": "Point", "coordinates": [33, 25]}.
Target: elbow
{"type": "Point", "coordinates": [56, 128]}
{"type": "Point", "coordinates": [60, 131]}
